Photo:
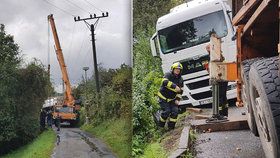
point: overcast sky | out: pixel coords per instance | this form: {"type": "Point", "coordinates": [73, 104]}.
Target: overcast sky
{"type": "Point", "coordinates": [27, 21]}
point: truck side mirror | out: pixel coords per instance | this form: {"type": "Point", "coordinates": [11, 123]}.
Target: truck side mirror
{"type": "Point", "coordinates": [229, 11]}
{"type": "Point", "coordinates": [233, 38]}
{"type": "Point", "coordinates": [153, 41]}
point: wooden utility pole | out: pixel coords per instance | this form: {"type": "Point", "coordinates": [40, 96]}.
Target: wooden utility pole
{"type": "Point", "coordinates": [92, 29]}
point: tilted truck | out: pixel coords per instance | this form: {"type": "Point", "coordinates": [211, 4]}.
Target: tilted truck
{"type": "Point", "coordinates": [182, 35]}
{"type": "Point", "coordinates": [258, 48]}
{"type": "Point", "coordinates": [68, 109]}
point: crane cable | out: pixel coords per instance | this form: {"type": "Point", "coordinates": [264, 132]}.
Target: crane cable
{"type": "Point", "coordinates": [48, 60]}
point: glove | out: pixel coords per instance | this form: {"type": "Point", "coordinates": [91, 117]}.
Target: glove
{"type": "Point", "coordinates": [178, 89]}
{"type": "Point", "coordinates": [177, 102]}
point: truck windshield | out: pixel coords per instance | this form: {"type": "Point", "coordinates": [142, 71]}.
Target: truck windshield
{"type": "Point", "coordinates": [192, 32]}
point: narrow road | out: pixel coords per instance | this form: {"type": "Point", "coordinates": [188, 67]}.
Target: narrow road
{"type": "Point", "coordinates": [229, 144]}
{"type": "Point", "coordinates": [75, 143]}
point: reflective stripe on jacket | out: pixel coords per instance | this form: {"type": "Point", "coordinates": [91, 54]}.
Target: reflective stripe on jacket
{"type": "Point", "coordinates": [167, 90]}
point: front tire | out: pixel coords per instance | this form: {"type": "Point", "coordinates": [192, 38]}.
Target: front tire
{"type": "Point", "coordinates": [264, 90]}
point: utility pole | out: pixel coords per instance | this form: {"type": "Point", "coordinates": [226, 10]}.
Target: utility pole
{"type": "Point", "coordinates": [92, 29]}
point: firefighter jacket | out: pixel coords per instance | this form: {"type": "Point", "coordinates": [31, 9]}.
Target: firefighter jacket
{"type": "Point", "coordinates": [167, 90]}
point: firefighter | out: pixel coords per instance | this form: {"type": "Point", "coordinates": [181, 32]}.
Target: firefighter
{"type": "Point", "coordinates": [58, 121]}
{"type": "Point", "coordinates": [49, 118]}
{"type": "Point", "coordinates": [222, 86]}
{"type": "Point", "coordinates": [170, 95]}
{"type": "Point", "coordinates": [42, 119]}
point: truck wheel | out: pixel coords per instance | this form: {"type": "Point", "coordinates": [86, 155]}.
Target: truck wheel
{"type": "Point", "coordinates": [245, 94]}
{"type": "Point", "coordinates": [265, 97]}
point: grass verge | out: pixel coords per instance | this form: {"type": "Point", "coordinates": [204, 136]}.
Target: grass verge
{"type": "Point", "coordinates": [154, 150]}
{"type": "Point", "coordinates": [41, 147]}
{"type": "Point", "coordinates": [115, 133]}
{"type": "Point", "coordinates": [167, 142]}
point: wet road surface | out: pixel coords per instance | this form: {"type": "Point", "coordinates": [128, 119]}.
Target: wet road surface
{"type": "Point", "coordinates": [75, 143]}
{"type": "Point", "coordinates": [229, 144]}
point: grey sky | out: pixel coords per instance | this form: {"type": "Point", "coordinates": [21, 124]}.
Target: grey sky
{"type": "Point", "coordinates": [27, 21]}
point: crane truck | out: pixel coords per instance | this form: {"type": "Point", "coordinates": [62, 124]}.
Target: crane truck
{"type": "Point", "coordinates": [257, 68]}
{"type": "Point", "coordinates": [258, 83]}
{"type": "Point", "coordinates": [68, 109]}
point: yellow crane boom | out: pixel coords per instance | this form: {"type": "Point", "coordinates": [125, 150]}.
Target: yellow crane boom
{"type": "Point", "coordinates": [68, 98]}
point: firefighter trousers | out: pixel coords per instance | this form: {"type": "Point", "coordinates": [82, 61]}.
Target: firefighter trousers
{"type": "Point", "coordinates": [170, 110]}
{"type": "Point", "coordinates": [223, 103]}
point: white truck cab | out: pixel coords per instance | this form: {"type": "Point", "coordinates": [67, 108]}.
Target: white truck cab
{"type": "Point", "coordinates": [182, 36]}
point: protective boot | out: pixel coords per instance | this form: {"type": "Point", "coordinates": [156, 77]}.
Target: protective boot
{"type": "Point", "coordinates": [224, 112]}
{"type": "Point", "coordinates": [223, 109]}
{"type": "Point", "coordinates": [171, 123]}
{"type": "Point", "coordinates": [161, 122]}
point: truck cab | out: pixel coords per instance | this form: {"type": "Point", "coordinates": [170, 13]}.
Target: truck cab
{"type": "Point", "coordinates": [182, 36]}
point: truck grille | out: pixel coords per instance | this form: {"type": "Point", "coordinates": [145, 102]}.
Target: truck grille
{"type": "Point", "coordinates": [202, 95]}
{"type": "Point", "coordinates": [199, 84]}
{"type": "Point", "coordinates": [185, 98]}
{"type": "Point", "coordinates": [194, 65]}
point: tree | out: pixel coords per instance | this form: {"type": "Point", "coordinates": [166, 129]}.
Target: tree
{"type": "Point", "coordinates": [23, 90]}
{"type": "Point", "coordinates": [9, 61]}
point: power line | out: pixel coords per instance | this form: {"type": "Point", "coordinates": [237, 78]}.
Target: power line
{"type": "Point", "coordinates": [69, 50]}
{"type": "Point", "coordinates": [58, 8]}
{"type": "Point", "coordinates": [80, 50]}
{"type": "Point", "coordinates": [76, 69]}
{"type": "Point", "coordinates": [77, 6]}
{"type": "Point", "coordinates": [82, 43]}
{"type": "Point", "coordinates": [93, 5]}
{"type": "Point", "coordinates": [87, 53]}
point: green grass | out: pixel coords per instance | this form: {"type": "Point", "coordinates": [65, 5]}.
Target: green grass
{"type": "Point", "coordinates": [154, 150]}
{"type": "Point", "coordinates": [41, 147]}
{"type": "Point", "coordinates": [116, 134]}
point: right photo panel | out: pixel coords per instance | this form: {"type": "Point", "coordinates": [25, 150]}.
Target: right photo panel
{"type": "Point", "coordinates": [205, 79]}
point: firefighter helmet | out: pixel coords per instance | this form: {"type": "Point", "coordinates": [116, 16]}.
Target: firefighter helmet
{"type": "Point", "coordinates": [177, 65]}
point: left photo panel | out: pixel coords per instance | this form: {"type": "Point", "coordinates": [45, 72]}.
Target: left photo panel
{"type": "Point", "coordinates": [65, 79]}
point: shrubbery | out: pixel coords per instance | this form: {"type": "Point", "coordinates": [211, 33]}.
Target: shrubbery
{"type": "Point", "coordinates": [147, 75]}
{"type": "Point", "coordinates": [115, 95]}
{"type": "Point", "coordinates": [147, 72]}
{"type": "Point", "coordinates": [23, 90]}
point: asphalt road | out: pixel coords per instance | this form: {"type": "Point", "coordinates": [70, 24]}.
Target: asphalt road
{"type": "Point", "coordinates": [229, 144]}
{"type": "Point", "coordinates": [75, 143]}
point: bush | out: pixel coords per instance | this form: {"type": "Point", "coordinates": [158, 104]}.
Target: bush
{"type": "Point", "coordinates": [147, 72]}
{"type": "Point", "coordinates": [22, 92]}
{"type": "Point", "coordinates": [147, 75]}
{"type": "Point", "coordinates": [115, 95]}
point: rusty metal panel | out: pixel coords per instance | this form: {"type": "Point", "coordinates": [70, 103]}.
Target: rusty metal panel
{"type": "Point", "coordinates": [243, 11]}
{"type": "Point", "coordinates": [223, 71]}
{"type": "Point", "coordinates": [256, 14]}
